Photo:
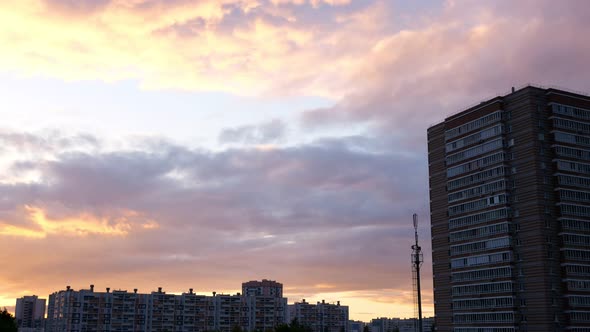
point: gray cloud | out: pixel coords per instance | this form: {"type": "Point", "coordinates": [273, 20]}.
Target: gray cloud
{"type": "Point", "coordinates": [269, 132]}
{"type": "Point", "coordinates": [77, 6]}
{"type": "Point", "coordinates": [315, 214]}
{"type": "Point", "coordinates": [464, 55]}
{"type": "Point", "coordinates": [48, 141]}
{"type": "Point", "coordinates": [190, 28]}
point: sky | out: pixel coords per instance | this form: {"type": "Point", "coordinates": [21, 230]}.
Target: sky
{"type": "Point", "coordinates": [200, 144]}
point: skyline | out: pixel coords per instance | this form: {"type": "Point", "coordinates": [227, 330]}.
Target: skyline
{"type": "Point", "coordinates": [166, 143]}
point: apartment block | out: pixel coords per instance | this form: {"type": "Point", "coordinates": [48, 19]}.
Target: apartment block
{"type": "Point", "coordinates": [411, 324]}
{"type": "Point", "coordinates": [88, 310]}
{"type": "Point", "coordinates": [320, 317]}
{"type": "Point", "coordinates": [384, 324]}
{"type": "Point", "coordinates": [356, 326]}
{"type": "Point", "coordinates": [267, 288]}
{"type": "Point", "coordinates": [30, 314]}
{"type": "Point", "coordinates": [264, 312]}
{"type": "Point", "coordinates": [265, 304]}
{"type": "Point", "coordinates": [510, 214]}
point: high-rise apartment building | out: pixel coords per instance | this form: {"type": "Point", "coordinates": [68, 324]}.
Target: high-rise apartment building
{"type": "Point", "coordinates": [89, 310]}
{"type": "Point", "coordinates": [262, 288]}
{"type": "Point", "coordinates": [120, 311]}
{"type": "Point", "coordinates": [411, 324]}
{"type": "Point", "coordinates": [510, 214]}
{"type": "Point", "coordinates": [384, 324]}
{"type": "Point", "coordinates": [356, 326]}
{"type": "Point", "coordinates": [30, 314]}
{"type": "Point", "coordinates": [320, 317]}
{"type": "Point", "coordinates": [267, 308]}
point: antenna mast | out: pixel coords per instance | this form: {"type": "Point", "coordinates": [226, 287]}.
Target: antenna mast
{"type": "Point", "coordinates": [417, 260]}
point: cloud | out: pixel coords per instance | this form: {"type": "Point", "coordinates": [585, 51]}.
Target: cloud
{"type": "Point", "coordinates": [368, 56]}
{"type": "Point", "coordinates": [468, 53]}
{"type": "Point", "coordinates": [49, 140]}
{"type": "Point", "coordinates": [76, 6]}
{"type": "Point", "coordinates": [270, 132]}
{"type": "Point", "coordinates": [334, 211]}
{"type": "Point", "coordinates": [79, 225]}
{"type": "Point", "coordinates": [244, 47]}
{"type": "Point", "coordinates": [318, 214]}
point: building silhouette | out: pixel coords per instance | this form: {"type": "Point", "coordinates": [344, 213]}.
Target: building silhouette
{"type": "Point", "coordinates": [321, 316]}
{"type": "Point", "coordinates": [120, 311]}
{"type": "Point", "coordinates": [510, 214]}
{"type": "Point", "coordinates": [30, 314]}
{"type": "Point", "coordinates": [267, 308]}
{"type": "Point", "coordinates": [384, 324]}
{"type": "Point", "coordinates": [265, 287]}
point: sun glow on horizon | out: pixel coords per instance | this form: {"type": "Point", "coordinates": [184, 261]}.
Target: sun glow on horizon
{"type": "Point", "coordinates": [83, 224]}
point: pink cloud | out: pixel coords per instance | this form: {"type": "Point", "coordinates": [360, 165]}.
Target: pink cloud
{"type": "Point", "coordinates": [323, 213]}
{"type": "Point", "coordinates": [469, 53]}
{"type": "Point", "coordinates": [232, 215]}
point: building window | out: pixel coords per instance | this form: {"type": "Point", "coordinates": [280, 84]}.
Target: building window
{"type": "Point", "coordinates": [474, 138]}
{"type": "Point", "coordinates": [476, 178]}
{"type": "Point", "coordinates": [473, 125]}
{"type": "Point", "coordinates": [476, 164]}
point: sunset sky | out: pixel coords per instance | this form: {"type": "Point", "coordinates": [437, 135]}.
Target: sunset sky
{"type": "Point", "coordinates": [199, 144]}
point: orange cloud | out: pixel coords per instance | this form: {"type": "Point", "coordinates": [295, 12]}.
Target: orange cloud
{"type": "Point", "coordinates": [324, 286]}
{"type": "Point", "coordinates": [82, 224]}
{"type": "Point", "coordinates": [185, 45]}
